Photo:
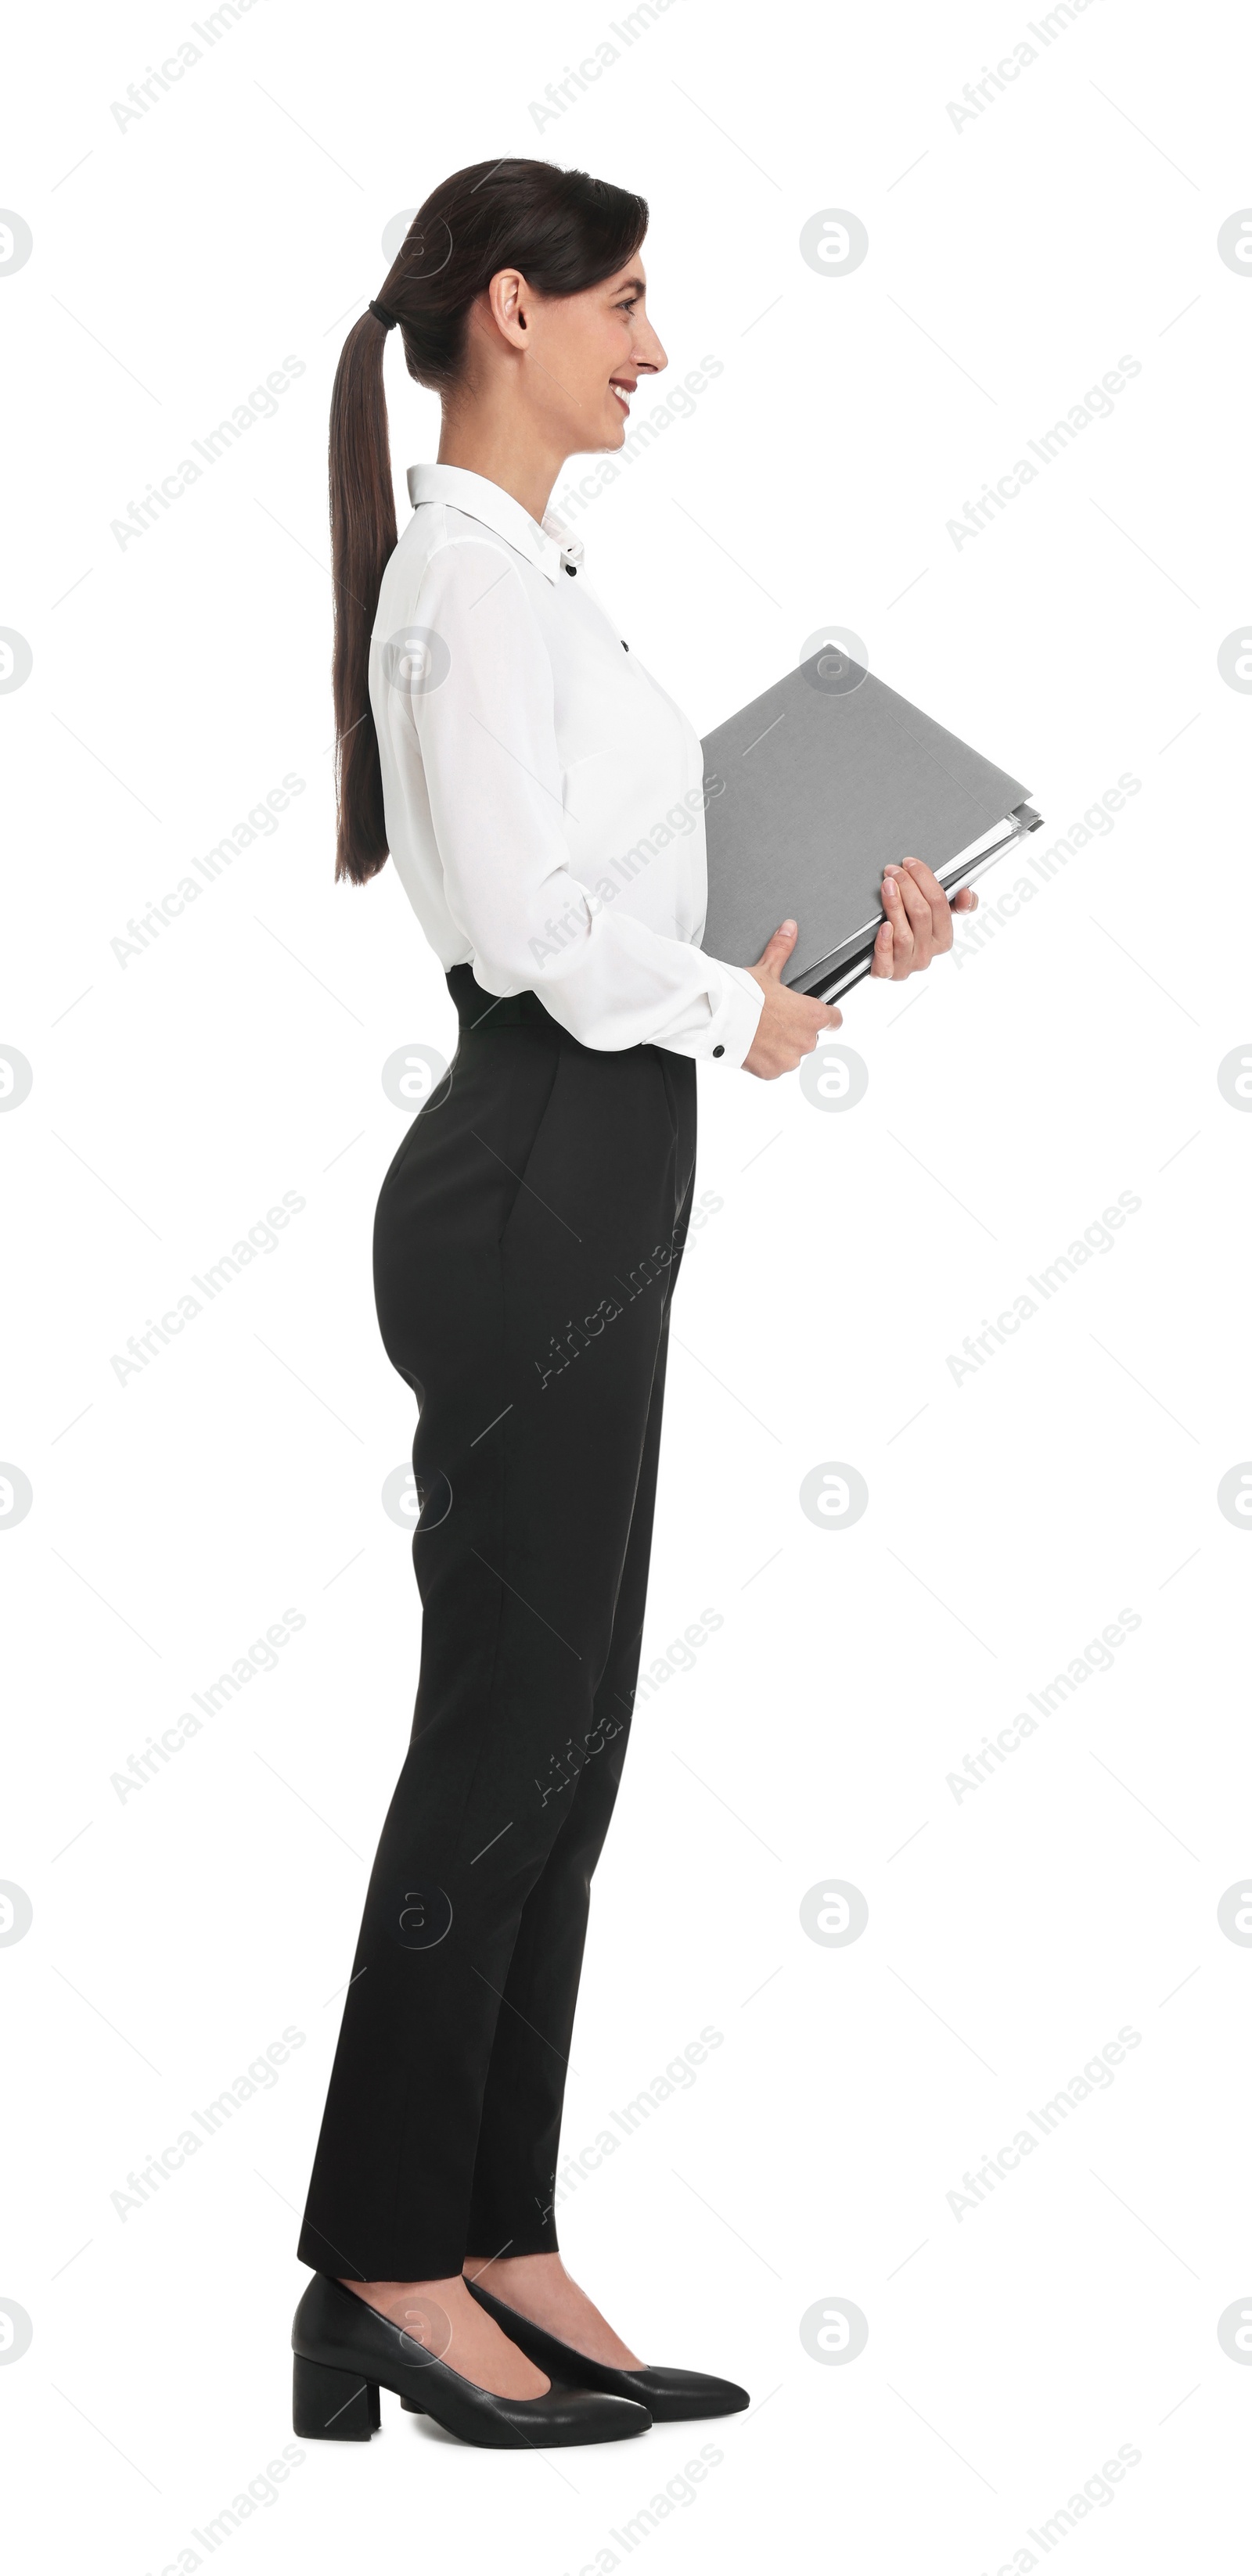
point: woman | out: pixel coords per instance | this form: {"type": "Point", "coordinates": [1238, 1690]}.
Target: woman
{"type": "Point", "coordinates": [500, 740]}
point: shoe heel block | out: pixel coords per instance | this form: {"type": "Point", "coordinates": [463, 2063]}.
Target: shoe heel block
{"type": "Point", "coordinates": [333, 2405]}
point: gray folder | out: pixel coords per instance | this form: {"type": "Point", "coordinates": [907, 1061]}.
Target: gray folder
{"type": "Point", "coordinates": [812, 788]}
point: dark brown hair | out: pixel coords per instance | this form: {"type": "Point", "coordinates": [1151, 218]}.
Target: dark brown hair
{"type": "Point", "coordinates": [565, 232]}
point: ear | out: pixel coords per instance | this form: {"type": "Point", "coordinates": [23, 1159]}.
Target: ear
{"type": "Point", "coordinates": [507, 298]}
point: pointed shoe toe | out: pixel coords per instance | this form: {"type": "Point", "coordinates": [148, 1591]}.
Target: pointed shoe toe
{"type": "Point", "coordinates": [671, 2396]}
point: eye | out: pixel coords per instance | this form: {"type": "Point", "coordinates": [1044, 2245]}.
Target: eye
{"type": "Point", "coordinates": [628, 304]}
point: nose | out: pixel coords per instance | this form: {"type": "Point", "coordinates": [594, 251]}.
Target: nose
{"type": "Point", "coordinates": [647, 351]}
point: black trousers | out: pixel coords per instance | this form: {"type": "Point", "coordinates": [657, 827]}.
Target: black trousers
{"type": "Point", "coordinates": [527, 1240]}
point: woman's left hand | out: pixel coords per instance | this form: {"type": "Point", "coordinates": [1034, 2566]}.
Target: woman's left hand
{"type": "Point", "coordinates": [918, 925]}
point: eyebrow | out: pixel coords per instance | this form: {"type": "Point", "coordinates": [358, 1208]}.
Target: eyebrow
{"type": "Point", "coordinates": [635, 285]}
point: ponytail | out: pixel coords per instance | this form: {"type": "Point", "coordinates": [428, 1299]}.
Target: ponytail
{"type": "Point", "coordinates": [565, 232]}
{"type": "Point", "coordinates": [362, 536]}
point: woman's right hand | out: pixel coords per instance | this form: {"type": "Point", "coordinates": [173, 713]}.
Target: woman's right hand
{"type": "Point", "coordinates": [790, 1023]}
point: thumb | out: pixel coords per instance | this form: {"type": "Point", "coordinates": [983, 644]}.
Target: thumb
{"type": "Point", "coordinates": [774, 955]}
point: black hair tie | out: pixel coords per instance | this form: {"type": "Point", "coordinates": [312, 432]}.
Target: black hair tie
{"type": "Point", "coordinates": [388, 320]}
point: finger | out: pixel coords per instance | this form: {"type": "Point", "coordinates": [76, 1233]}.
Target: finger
{"type": "Point", "coordinates": [884, 960]}
{"type": "Point", "coordinates": [902, 939]}
{"type": "Point", "coordinates": [918, 912]}
{"type": "Point", "coordinates": [777, 950]}
{"type": "Point", "coordinates": [965, 901]}
{"type": "Point", "coordinates": [940, 911]}
{"type": "Point", "coordinates": [825, 1019]}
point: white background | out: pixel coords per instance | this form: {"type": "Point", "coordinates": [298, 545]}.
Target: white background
{"type": "Point", "coordinates": [1012, 1933]}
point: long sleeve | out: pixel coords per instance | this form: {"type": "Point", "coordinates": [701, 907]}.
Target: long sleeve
{"type": "Point", "coordinates": [483, 707]}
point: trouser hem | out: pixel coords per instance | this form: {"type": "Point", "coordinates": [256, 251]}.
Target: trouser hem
{"type": "Point", "coordinates": [380, 2258]}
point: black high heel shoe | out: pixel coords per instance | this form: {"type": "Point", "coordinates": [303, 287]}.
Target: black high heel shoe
{"type": "Point", "coordinates": [671, 2396]}
{"type": "Point", "coordinates": [346, 2351]}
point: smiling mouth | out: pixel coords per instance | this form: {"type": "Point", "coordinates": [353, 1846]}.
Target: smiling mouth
{"type": "Point", "coordinates": [622, 391]}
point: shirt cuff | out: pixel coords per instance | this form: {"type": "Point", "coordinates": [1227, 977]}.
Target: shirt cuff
{"type": "Point", "coordinates": [736, 1011]}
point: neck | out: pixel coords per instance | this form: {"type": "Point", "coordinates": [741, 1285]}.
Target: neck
{"type": "Point", "coordinates": [515, 453]}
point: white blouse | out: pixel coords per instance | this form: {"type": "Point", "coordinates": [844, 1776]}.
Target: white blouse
{"type": "Point", "coordinates": [543, 795]}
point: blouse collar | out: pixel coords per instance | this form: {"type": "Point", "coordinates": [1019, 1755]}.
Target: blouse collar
{"type": "Point", "coordinates": [548, 546]}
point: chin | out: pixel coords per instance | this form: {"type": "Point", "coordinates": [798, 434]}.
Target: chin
{"type": "Point", "coordinates": [612, 435]}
